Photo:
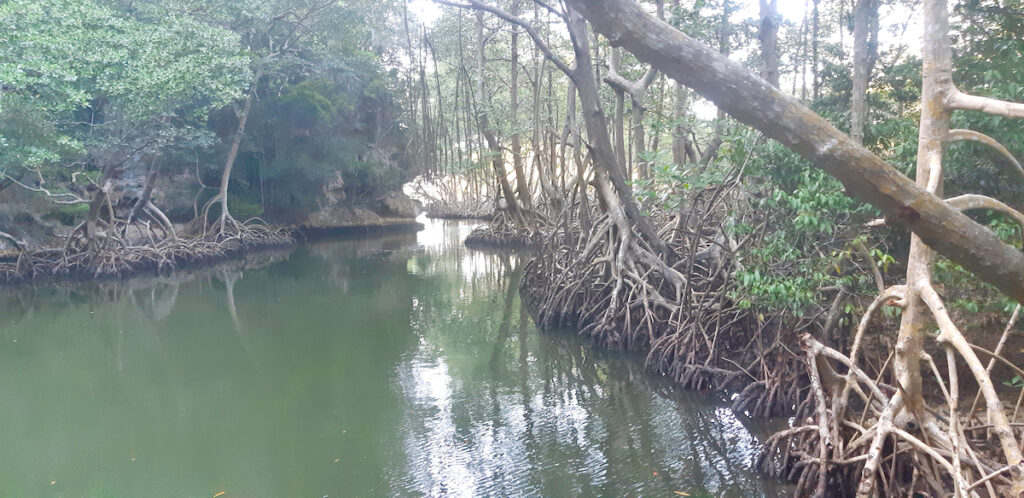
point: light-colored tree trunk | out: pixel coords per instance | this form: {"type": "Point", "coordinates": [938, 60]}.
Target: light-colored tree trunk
{"type": "Point", "coordinates": [229, 163]}
{"type": "Point", "coordinates": [683, 150]}
{"type": "Point", "coordinates": [815, 29]}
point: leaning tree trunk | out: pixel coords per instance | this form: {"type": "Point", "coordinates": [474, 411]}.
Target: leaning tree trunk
{"type": "Point", "coordinates": [865, 176]}
{"type": "Point", "coordinates": [935, 223]}
{"type": "Point", "coordinates": [225, 177]}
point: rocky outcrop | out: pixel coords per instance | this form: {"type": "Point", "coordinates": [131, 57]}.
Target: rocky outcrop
{"type": "Point", "coordinates": [341, 216]}
{"type": "Point", "coordinates": [396, 204]}
{"type": "Point", "coordinates": [337, 219]}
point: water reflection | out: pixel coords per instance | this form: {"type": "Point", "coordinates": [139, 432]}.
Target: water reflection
{"type": "Point", "coordinates": [398, 365]}
{"type": "Point", "coordinates": [495, 408]}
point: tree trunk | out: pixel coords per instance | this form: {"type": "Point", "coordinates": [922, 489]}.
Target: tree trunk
{"type": "Point", "coordinates": [682, 148]}
{"type": "Point", "coordinates": [225, 177]}
{"type": "Point", "coordinates": [144, 196]}
{"type": "Point", "coordinates": [620, 122]}
{"type": "Point", "coordinates": [600, 146]}
{"type": "Point", "coordinates": [865, 20]}
{"type": "Point", "coordinates": [497, 161]}
{"type": "Point", "coordinates": [768, 35]}
{"type": "Point", "coordinates": [522, 185]}
{"type": "Point", "coordinates": [814, 51]}
{"type": "Point", "coordinates": [636, 118]}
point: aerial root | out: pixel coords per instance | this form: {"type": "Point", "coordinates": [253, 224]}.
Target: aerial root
{"type": "Point", "coordinates": [856, 440]}
{"type": "Point", "coordinates": [508, 231]}
{"type": "Point", "coordinates": [852, 432]}
{"type": "Point", "coordinates": [613, 288]}
{"type": "Point", "coordinates": [120, 248]}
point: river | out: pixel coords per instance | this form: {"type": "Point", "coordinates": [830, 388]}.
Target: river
{"type": "Point", "coordinates": [393, 365]}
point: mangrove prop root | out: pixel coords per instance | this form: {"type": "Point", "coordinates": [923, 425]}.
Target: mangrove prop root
{"type": "Point", "coordinates": [610, 286]}
{"type": "Point", "coordinates": [851, 434]}
{"type": "Point", "coordinates": [856, 443]}
{"type": "Point", "coordinates": [156, 249]}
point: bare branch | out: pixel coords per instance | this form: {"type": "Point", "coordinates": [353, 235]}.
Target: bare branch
{"type": "Point", "coordinates": [968, 202]}
{"type": "Point", "coordinates": [951, 335]}
{"type": "Point", "coordinates": [963, 102]}
{"type": "Point", "coordinates": [561, 15]}
{"type": "Point", "coordinates": [634, 89]}
{"type": "Point", "coordinates": [58, 198]}
{"type": "Point", "coordinates": [18, 244]}
{"type": "Point", "coordinates": [476, 5]}
{"type": "Point", "coordinates": [864, 175]}
{"type": "Point", "coordinates": [892, 295]}
{"type": "Point", "coordinates": [973, 136]}
{"type": "Point", "coordinates": [999, 348]}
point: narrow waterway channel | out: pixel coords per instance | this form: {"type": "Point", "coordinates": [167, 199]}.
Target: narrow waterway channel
{"type": "Point", "coordinates": [398, 365]}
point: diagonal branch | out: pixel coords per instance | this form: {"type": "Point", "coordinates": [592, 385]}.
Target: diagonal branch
{"type": "Point", "coordinates": [550, 8]}
{"type": "Point", "coordinates": [634, 89]}
{"type": "Point", "coordinates": [18, 244]}
{"type": "Point", "coordinates": [65, 198]}
{"type": "Point", "coordinates": [973, 136]}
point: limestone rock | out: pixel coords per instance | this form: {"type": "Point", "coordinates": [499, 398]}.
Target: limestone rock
{"type": "Point", "coordinates": [396, 204]}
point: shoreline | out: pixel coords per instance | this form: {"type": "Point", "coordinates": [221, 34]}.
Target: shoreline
{"type": "Point", "coordinates": [52, 265]}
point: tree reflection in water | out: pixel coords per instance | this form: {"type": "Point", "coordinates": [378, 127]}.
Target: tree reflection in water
{"type": "Point", "coordinates": [492, 412]}
{"type": "Point", "coordinates": [394, 365]}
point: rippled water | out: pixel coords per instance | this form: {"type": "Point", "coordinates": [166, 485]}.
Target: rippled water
{"type": "Point", "coordinates": [399, 365]}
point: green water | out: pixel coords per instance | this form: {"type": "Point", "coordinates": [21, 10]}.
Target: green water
{"type": "Point", "coordinates": [400, 365]}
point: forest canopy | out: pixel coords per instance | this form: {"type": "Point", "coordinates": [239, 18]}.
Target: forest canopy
{"type": "Point", "coordinates": [97, 90]}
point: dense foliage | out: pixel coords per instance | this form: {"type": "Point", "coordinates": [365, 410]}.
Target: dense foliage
{"type": "Point", "coordinates": [95, 91]}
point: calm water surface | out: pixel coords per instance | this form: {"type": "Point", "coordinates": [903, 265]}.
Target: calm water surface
{"type": "Point", "coordinates": [399, 365]}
